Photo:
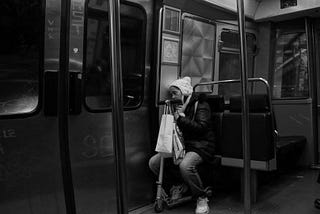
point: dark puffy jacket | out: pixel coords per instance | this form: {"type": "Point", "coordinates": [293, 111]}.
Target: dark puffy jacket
{"type": "Point", "coordinates": [198, 133]}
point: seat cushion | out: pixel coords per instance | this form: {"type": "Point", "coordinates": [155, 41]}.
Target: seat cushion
{"type": "Point", "coordinates": [289, 150]}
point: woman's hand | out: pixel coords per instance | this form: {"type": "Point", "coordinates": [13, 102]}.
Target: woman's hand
{"type": "Point", "coordinates": [183, 107]}
{"type": "Point", "coordinates": [180, 109]}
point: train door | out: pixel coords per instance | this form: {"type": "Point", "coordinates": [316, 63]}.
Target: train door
{"type": "Point", "coordinates": [90, 126]}
{"type": "Point", "coordinates": [35, 173]}
{"type": "Point", "coordinates": [30, 165]}
{"type": "Point", "coordinates": [292, 77]}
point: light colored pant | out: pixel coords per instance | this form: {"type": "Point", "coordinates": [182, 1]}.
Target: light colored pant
{"type": "Point", "coordinates": [188, 171]}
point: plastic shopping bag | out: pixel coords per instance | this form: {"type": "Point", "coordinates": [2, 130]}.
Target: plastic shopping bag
{"type": "Point", "coordinates": [178, 146]}
{"type": "Point", "coordinates": [164, 142]}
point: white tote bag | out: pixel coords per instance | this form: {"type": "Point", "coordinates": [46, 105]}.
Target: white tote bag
{"type": "Point", "coordinates": [164, 142]}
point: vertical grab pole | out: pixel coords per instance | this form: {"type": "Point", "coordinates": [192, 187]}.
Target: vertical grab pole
{"type": "Point", "coordinates": [245, 108]}
{"type": "Point", "coordinates": [117, 105]}
{"type": "Point", "coordinates": [63, 107]}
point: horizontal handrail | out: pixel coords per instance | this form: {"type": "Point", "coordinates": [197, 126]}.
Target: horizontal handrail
{"type": "Point", "coordinates": [256, 79]}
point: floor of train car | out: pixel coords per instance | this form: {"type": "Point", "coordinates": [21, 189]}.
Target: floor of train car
{"type": "Point", "coordinates": [292, 192]}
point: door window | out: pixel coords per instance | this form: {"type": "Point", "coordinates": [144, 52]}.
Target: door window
{"type": "Point", "coordinates": [290, 74]}
{"type": "Point", "coordinates": [98, 75]}
{"type": "Point", "coordinates": [20, 55]}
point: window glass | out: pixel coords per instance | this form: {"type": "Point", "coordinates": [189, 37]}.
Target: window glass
{"type": "Point", "coordinates": [230, 69]}
{"type": "Point", "coordinates": [231, 40]}
{"type": "Point", "coordinates": [291, 77]}
{"type": "Point", "coordinates": [98, 76]}
{"type": "Point", "coordinates": [229, 62]}
{"type": "Point", "coordinates": [20, 49]}
{"type": "Point", "coordinates": [198, 49]}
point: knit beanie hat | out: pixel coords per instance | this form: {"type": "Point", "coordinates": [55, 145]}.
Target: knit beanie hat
{"type": "Point", "coordinates": [184, 85]}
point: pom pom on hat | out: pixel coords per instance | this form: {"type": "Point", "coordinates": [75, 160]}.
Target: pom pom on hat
{"type": "Point", "coordinates": [184, 85]}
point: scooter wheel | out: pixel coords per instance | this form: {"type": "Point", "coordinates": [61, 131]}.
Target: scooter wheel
{"type": "Point", "coordinates": [317, 203]}
{"type": "Point", "coordinates": [158, 206]}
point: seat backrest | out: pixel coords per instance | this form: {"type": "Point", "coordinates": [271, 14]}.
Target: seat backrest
{"type": "Point", "coordinates": [217, 106]}
{"type": "Point", "coordinates": [216, 103]}
{"type": "Point", "coordinates": [258, 103]}
{"type": "Point", "coordinates": [261, 131]}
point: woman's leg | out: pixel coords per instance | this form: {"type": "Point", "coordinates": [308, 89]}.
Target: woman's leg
{"type": "Point", "coordinates": [154, 163]}
{"type": "Point", "coordinates": [171, 174]}
{"type": "Point", "coordinates": [189, 172]}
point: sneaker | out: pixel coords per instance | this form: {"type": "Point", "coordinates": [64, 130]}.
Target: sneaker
{"type": "Point", "coordinates": [202, 206]}
{"type": "Point", "coordinates": [177, 191]}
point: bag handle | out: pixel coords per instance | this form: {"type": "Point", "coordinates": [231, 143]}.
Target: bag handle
{"type": "Point", "coordinates": [195, 110]}
{"type": "Point", "coordinates": [167, 108]}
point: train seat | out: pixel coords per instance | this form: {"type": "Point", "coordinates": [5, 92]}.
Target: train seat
{"type": "Point", "coordinates": [216, 103]}
{"type": "Point", "coordinates": [258, 103]}
{"type": "Point", "coordinates": [262, 141]}
{"type": "Point", "coordinates": [262, 137]}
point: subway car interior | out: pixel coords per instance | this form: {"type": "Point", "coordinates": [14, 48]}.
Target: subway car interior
{"type": "Point", "coordinates": [82, 91]}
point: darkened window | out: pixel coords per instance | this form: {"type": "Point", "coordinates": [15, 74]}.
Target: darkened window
{"type": "Point", "coordinates": [20, 51]}
{"type": "Point", "coordinates": [98, 75]}
{"type": "Point", "coordinates": [171, 19]}
{"type": "Point", "coordinates": [230, 41]}
{"type": "Point", "coordinates": [229, 62]}
{"type": "Point", "coordinates": [291, 75]}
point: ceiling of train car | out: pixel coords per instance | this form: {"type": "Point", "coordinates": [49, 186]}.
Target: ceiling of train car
{"type": "Point", "coordinates": [250, 6]}
{"type": "Point", "coordinates": [203, 8]}
{"type": "Point", "coordinates": [273, 10]}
